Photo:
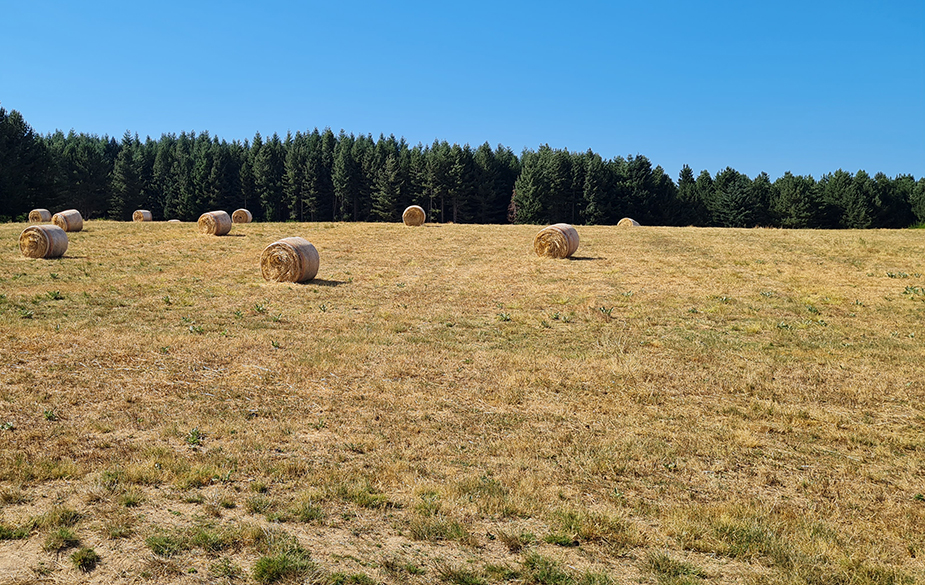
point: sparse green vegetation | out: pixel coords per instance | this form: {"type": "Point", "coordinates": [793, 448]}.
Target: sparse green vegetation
{"type": "Point", "coordinates": [403, 427]}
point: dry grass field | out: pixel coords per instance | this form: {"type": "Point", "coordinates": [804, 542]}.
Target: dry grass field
{"type": "Point", "coordinates": [440, 405]}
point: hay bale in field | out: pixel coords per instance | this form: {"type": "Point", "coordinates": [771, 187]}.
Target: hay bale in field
{"type": "Point", "coordinates": [174, 221]}
{"type": "Point", "coordinates": [556, 241]}
{"type": "Point", "coordinates": [414, 215]}
{"type": "Point", "coordinates": [43, 241]}
{"type": "Point", "coordinates": [215, 223]}
{"type": "Point", "coordinates": [142, 215]}
{"type": "Point", "coordinates": [39, 216]}
{"type": "Point", "coordinates": [292, 259]}
{"type": "Point", "coordinates": [242, 216]}
{"type": "Point", "coordinates": [627, 222]}
{"type": "Point", "coordinates": [69, 220]}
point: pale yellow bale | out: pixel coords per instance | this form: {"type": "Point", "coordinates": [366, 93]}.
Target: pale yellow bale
{"type": "Point", "coordinates": [414, 215]}
{"type": "Point", "coordinates": [215, 223]}
{"type": "Point", "coordinates": [556, 241]}
{"type": "Point", "coordinates": [291, 259]}
{"type": "Point", "coordinates": [43, 241]}
{"type": "Point", "coordinates": [142, 215]}
{"type": "Point", "coordinates": [242, 216]}
{"type": "Point", "coordinates": [39, 216]}
{"type": "Point", "coordinates": [69, 220]}
{"type": "Point", "coordinates": [627, 222]}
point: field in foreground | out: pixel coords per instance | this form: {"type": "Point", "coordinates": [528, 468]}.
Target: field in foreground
{"type": "Point", "coordinates": [671, 406]}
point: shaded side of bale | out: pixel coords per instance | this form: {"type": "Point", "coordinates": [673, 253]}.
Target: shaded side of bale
{"type": "Point", "coordinates": [39, 216]}
{"type": "Point", "coordinates": [142, 215]}
{"type": "Point", "coordinates": [414, 215]}
{"type": "Point", "coordinates": [43, 241]}
{"type": "Point", "coordinates": [292, 259]}
{"type": "Point", "coordinates": [242, 216]}
{"type": "Point", "coordinates": [556, 241]}
{"type": "Point", "coordinates": [627, 222]}
{"type": "Point", "coordinates": [69, 220]}
{"type": "Point", "coordinates": [215, 223]}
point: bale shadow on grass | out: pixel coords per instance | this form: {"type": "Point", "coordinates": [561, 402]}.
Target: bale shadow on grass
{"type": "Point", "coordinates": [584, 258]}
{"type": "Point", "coordinates": [322, 282]}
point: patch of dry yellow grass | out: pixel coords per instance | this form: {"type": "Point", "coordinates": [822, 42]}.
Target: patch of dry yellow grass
{"type": "Point", "coordinates": [749, 401]}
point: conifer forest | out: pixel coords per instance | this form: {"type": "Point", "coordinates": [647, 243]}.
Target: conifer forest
{"type": "Point", "coordinates": [322, 176]}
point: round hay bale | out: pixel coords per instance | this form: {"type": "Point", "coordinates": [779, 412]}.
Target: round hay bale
{"type": "Point", "coordinates": [174, 221]}
{"type": "Point", "coordinates": [242, 216]}
{"type": "Point", "coordinates": [142, 215]}
{"type": "Point", "coordinates": [627, 222]}
{"type": "Point", "coordinates": [39, 216]}
{"type": "Point", "coordinates": [289, 260]}
{"type": "Point", "coordinates": [69, 220]}
{"type": "Point", "coordinates": [556, 241]}
{"type": "Point", "coordinates": [414, 215]}
{"type": "Point", "coordinates": [215, 223]}
{"type": "Point", "coordinates": [43, 241]}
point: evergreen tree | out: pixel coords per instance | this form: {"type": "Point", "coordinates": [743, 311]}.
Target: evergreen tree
{"type": "Point", "coordinates": [692, 210]}
{"type": "Point", "coordinates": [25, 170]}
{"type": "Point", "coordinates": [735, 203]}
{"type": "Point", "coordinates": [795, 202]}
{"type": "Point", "coordinates": [269, 172]}
{"type": "Point", "coordinates": [917, 199]}
{"type": "Point", "coordinates": [126, 193]}
{"type": "Point", "coordinates": [598, 190]}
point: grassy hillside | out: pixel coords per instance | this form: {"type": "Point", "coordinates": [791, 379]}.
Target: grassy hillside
{"type": "Point", "coordinates": [442, 406]}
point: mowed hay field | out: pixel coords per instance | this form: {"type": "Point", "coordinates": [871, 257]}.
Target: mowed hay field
{"type": "Point", "coordinates": [440, 405]}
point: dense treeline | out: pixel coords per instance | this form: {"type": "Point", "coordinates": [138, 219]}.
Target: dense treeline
{"type": "Point", "coordinates": [320, 176]}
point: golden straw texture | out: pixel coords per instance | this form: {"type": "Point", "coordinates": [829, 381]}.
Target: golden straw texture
{"type": "Point", "coordinates": [43, 241]}
{"type": "Point", "coordinates": [242, 216]}
{"type": "Point", "coordinates": [627, 222]}
{"type": "Point", "coordinates": [414, 215]}
{"type": "Point", "coordinates": [142, 215]}
{"type": "Point", "coordinates": [39, 215]}
{"type": "Point", "coordinates": [556, 241]}
{"type": "Point", "coordinates": [289, 260]}
{"type": "Point", "coordinates": [215, 223]}
{"type": "Point", "coordinates": [69, 220]}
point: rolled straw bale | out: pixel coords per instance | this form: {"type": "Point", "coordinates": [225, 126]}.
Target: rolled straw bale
{"type": "Point", "coordinates": [627, 222]}
{"type": "Point", "coordinates": [414, 215]}
{"type": "Point", "coordinates": [39, 216]}
{"type": "Point", "coordinates": [142, 215]}
{"type": "Point", "coordinates": [69, 220]}
{"type": "Point", "coordinates": [215, 223]}
{"type": "Point", "coordinates": [556, 241]}
{"type": "Point", "coordinates": [242, 216]}
{"type": "Point", "coordinates": [289, 260]}
{"type": "Point", "coordinates": [173, 221]}
{"type": "Point", "coordinates": [43, 241]}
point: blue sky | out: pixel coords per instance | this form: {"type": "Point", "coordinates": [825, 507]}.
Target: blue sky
{"type": "Point", "coordinates": [808, 87]}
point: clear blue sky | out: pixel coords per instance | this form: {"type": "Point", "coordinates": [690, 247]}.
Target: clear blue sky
{"type": "Point", "coordinates": [808, 86]}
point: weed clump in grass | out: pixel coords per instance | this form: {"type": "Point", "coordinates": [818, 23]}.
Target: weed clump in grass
{"type": "Point", "coordinates": [288, 564]}
{"type": "Point", "coordinates": [18, 533]}
{"type": "Point", "coordinates": [60, 539]}
{"type": "Point", "coordinates": [669, 571]}
{"type": "Point", "coordinates": [85, 559]}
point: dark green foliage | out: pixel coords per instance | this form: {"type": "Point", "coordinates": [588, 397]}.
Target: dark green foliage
{"type": "Point", "coordinates": [320, 176]}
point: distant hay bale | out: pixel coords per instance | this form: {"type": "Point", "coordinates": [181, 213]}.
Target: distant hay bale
{"type": "Point", "coordinates": [39, 216]}
{"type": "Point", "coordinates": [69, 220]}
{"type": "Point", "coordinates": [556, 241]}
{"type": "Point", "coordinates": [43, 241]}
{"type": "Point", "coordinates": [142, 215]}
{"type": "Point", "coordinates": [174, 221]}
{"type": "Point", "coordinates": [242, 216]}
{"type": "Point", "coordinates": [414, 215]}
{"type": "Point", "coordinates": [627, 222]}
{"type": "Point", "coordinates": [292, 259]}
{"type": "Point", "coordinates": [215, 223]}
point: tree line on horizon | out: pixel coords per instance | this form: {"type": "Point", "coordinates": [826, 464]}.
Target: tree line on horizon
{"type": "Point", "coordinates": [322, 176]}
